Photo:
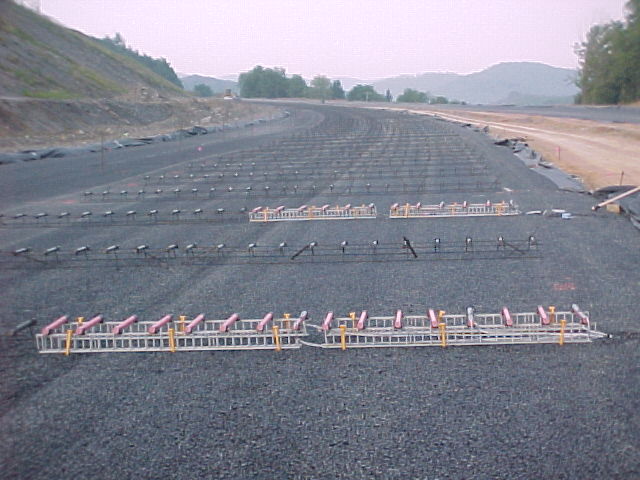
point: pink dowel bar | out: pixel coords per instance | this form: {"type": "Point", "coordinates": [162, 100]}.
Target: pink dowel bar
{"type": "Point", "coordinates": [263, 323]}
{"type": "Point", "coordinates": [418, 205]}
{"type": "Point", "coordinates": [465, 204]}
{"type": "Point", "coordinates": [506, 317]}
{"type": "Point", "coordinates": [363, 318]}
{"type": "Point", "coordinates": [228, 322]}
{"type": "Point", "coordinates": [124, 324]}
{"type": "Point", "coordinates": [256, 210]}
{"type": "Point", "coordinates": [194, 323]}
{"type": "Point", "coordinates": [543, 315]}
{"type": "Point", "coordinates": [324, 207]}
{"type": "Point", "coordinates": [301, 208]}
{"type": "Point", "coordinates": [433, 318]}
{"type": "Point", "coordinates": [279, 209]}
{"type": "Point", "coordinates": [347, 206]}
{"type": "Point", "coordinates": [394, 206]}
{"type": "Point", "coordinates": [88, 325]}
{"type": "Point", "coordinates": [298, 323]}
{"type": "Point", "coordinates": [397, 323]}
{"type": "Point", "coordinates": [326, 325]}
{"type": "Point", "coordinates": [156, 326]}
{"type": "Point", "coordinates": [584, 319]}
{"type": "Point", "coordinates": [55, 324]}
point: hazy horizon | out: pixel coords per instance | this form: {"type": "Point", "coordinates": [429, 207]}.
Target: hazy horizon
{"type": "Point", "coordinates": [361, 39]}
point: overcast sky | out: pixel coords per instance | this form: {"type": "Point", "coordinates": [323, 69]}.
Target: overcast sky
{"type": "Point", "coordinates": [366, 39]}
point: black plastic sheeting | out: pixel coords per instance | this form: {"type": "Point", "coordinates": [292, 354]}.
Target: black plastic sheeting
{"type": "Point", "coordinates": [58, 152]}
{"type": "Point", "coordinates": [535, 161]}
{"type": "Point", "coordinates": [631, 207]}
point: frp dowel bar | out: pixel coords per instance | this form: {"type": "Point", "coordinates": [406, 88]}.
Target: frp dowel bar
{"type": "Point", "coordinates": [616, 198]}
{"type": "Point", "coordinates": [263, 323]}
{"type": "Point", "coordinates": [158, 325]}
{"type": "Point", "coordinates": [193, 323]}
{"type": "Point", "coordinates": [55, 324]}
{"type": "Point", "coordinates": [303, 316]}
{"type": "Point", "coordinates": [224, 327]}
{"type": "Point", "coordinates": [584, 318]}
{"type": "Point", "coordinates": [88, 325]}
{"type": "Point", "coordinates": [361, 321]}
{"type": "Point", "coordinates": [506, 316]}
{"type": "Point", "coordinates": [432, 318]}
{"type": "Point", "coordinates": [326, 325]}
{"type": "Point", "coordinates": [397, 322]}
{"type": "Point", "coordinates": [544, 318]}
{"type": "Point", "coordinates": [124, 324]}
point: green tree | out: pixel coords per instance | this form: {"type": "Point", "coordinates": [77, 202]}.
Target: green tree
{"type": "Point", "coordinates": [320, 87]}
{"type": "Point", "coordinates": [412, 96]}
{"type": "Point", "coordinates": [337, 92]}
{"type": "Point", "coordinates": [297, 87]}
{"type": "Point", "coordinates": [364, 93]}
{"type": "Point", "coordinates": [610, 61]}
{"type": "Point", "coordinates": [202, 90]}
{"type": "Point", "coordinates": [264, 83]}
{"type": "Point", "coordinates": [440, 100]}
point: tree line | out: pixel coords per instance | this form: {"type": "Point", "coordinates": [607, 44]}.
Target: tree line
{"type": "Point", "coordinates": [157, 65]}
{"type": "Point", "coordinates": [263, 82]}
{"type": "Point", "coordinates": [610, 61]}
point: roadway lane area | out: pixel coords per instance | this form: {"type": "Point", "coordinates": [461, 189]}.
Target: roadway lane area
{"type": "Point", "coordinates": [517, 411]}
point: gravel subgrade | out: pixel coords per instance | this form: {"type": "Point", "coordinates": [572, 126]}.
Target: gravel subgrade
{"type": "Point", "coordinates": [493, 412]}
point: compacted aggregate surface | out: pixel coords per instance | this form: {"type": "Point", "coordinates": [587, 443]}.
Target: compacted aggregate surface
{"type": "Point", "coordinates": [530, 411]}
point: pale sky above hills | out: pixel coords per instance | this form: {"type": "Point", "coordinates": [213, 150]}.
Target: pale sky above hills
{"type": "Point", "coordinates": [358, 38]}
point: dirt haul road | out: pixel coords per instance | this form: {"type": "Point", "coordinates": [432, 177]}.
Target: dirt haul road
{"type": "Point", "coordinates": [597, 152]}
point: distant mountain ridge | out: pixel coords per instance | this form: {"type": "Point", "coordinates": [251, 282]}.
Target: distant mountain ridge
{"type": "Point", "coordinates": [215, 84]}
{"type": "Point", "coordinates": [513, 82]}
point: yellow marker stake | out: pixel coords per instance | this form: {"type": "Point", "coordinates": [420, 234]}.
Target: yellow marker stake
{"type": "Point", "coordinates": [172, 340]}
{"type": "Point", "coordinates": [286, 320]}
{"type": "Point", "coordinates": [552, 314]}
{"type": "Point", "coordinates": [276, 338]}
{"type": "Point", "coordinates": [266, 213]}
{"type": "Point", "coordinates": [440, 315]}
{"type": "Point", "coordinates": [67, 346]}
{"type": "Point", "coordinates": [406, 210]}
{"type": "Point", "coordinates": [343, 337]}
{"type": "Point", "coordinates": [183, 319]}
{"type": "Point", "coordinates": [563, 324]}
{"type": "Point", "coordinates": [352, 316]}
{"type": "Point", "coordinates": [443, 334]}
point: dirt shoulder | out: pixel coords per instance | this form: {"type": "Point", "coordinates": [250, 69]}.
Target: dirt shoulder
{"type": "Point", "coordinates": [33, 123]}
{"type": "Point", "coordinates": [597, 152]}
